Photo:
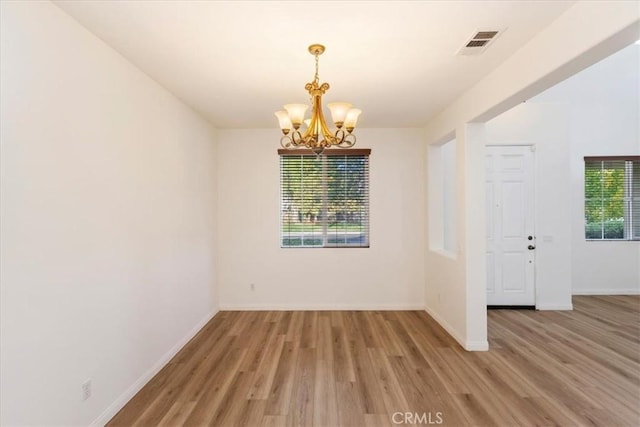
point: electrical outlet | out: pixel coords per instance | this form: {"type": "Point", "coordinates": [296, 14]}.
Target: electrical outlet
{"type": "Point", "coordinates": [86, 389]}
{"type": "Point", "coordinates": [252, 286]}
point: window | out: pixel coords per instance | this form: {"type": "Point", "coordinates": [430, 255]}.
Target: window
{"type": "Point", "coordinates": [324, 200]}
{"type": "Point", "coordinates": [612, 198]}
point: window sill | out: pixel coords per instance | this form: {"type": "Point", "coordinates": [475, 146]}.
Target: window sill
{"type": "Point", "coordinates": [324, 247]}
{"type": "Point", "coordinates": [445, 253]}
{"type": "Point", "coordinates": [612, 240]}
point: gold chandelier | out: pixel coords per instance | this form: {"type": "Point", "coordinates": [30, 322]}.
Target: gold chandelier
{"type": "Point", "coordinates": [317, 136]}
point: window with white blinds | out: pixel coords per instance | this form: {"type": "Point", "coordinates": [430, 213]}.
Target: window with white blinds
{"type": "Point", "coordinates": [324, 200]}
{"type": "Point", "coordinates": [612, 198]}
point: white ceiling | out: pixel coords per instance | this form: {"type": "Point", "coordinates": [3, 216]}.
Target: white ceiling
{"type": "Point", "coordinates": [236, 62]}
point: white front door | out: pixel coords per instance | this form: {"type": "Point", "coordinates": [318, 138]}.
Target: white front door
{"type": "Point", "coordinates": [510, 218]}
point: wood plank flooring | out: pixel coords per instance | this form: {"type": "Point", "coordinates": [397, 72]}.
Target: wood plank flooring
{"type": "Point", "coordinates": [355, 368]}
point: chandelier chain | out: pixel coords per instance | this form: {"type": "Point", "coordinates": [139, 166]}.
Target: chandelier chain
{"type": "Point", "coordinates": [316, 77]}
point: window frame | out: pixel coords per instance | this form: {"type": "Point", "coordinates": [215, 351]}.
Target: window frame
{"type": "Point", "coordinates": [339, 152]}
{"type": "Point", "coordinates": [631, 219]}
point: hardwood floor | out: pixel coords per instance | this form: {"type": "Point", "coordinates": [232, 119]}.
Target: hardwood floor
{"type": "Point", "coordinates": [370, 368]}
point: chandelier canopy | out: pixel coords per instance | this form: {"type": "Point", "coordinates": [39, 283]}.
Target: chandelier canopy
{"type": "Point", "coordinates": [317, 135]}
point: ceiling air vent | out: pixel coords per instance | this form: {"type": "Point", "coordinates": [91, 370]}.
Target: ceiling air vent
{"type": "Point", "coordinates": [488, 35]}
{"type": "Point", "coordinates": [479, 42]}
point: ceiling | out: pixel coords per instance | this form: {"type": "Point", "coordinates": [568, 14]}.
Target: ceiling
{"type": "Point", "coordinates": [237, 62]}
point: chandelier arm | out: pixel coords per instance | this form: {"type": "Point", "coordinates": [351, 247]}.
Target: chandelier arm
{"type": "Point", "coordinates": [313, 124]}
{"type": "Point", "coordinates": [324, 129]}
{"type": "Point", "coordinates": [348, 141]}
{"type": "Point", "coordinates": [310, 142]}
{"type": "Point", "coordinates": [318, 125]}
{"type": "Point", "coordinates": [297, 138]}
{"type": "Point", "coordinates": [328, 141]}
{"type": "Point", "coordinates": [286, 141]}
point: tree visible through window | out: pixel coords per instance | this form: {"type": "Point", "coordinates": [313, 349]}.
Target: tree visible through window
{"type": "Point", "coordinates": [612, 198]}
{"type": "Point", "coordinates": [324, 199]}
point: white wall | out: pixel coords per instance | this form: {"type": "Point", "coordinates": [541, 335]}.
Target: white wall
{"type": "Point", "coordinates": [456, 292]}
{"type": "Point", "coordinates": [108, 191]}
{"type": "Point", "coordinates": [603, 115]}
{"type": "Point", "coordinates": [546, 128]}
{"type": "Point", "coordinates": [584, 34]}
{"type": "Point", "coordinates": [387, 275]}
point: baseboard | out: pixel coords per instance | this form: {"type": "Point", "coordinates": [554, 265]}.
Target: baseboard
{"type": "Point", "coordinates": [606, 292]}
{"type": "Point", "coordinates": [554, 307]}
{"type": "Point", "coordinates": [320, 307]}
{"type": "Point", "coordinates": [125, 397]}
{"type": "Point", "coordinates": [467, 345]}
{"type": "Point", "coordinates": [477, 346]}
{"type": "Point", "coordinates": [511, 307]}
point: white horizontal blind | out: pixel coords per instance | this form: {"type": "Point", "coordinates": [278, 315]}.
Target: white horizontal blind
{"type": "Point", "coordinates": [612, 198]}
{"type": "Point", "coordinates": [324, 200]}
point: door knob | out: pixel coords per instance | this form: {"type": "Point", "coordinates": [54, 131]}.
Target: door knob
{"type": "Point", "coordinates": [531, 247]}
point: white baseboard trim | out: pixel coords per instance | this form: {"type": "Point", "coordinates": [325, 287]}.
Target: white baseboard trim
{"type": "Point", "coordinates": [554, 307]}
{"type": "Point", "coordinates": [320, 307]}
{"type": "Point", "coordinates": [125, 397]}
{"type": "Point", "coordinates": [477, 346]}
{"type": "Point", "coordinates": [467, 345]}
{"type": "Point", "coordinates": [606, 292]}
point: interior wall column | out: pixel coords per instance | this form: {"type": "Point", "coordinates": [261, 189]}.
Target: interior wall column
{"type": "Point", "coordinates": [470, 145]}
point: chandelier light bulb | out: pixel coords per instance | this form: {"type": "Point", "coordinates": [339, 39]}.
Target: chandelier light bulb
{"type": "Point", "coordinates": [285, 121]}
{"type": "Point", "coordinates": [339, 112]}
{"type": "Point", "coordinates": [352, 119]}
{"type": "Point", "coordinates": [296, 113]}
